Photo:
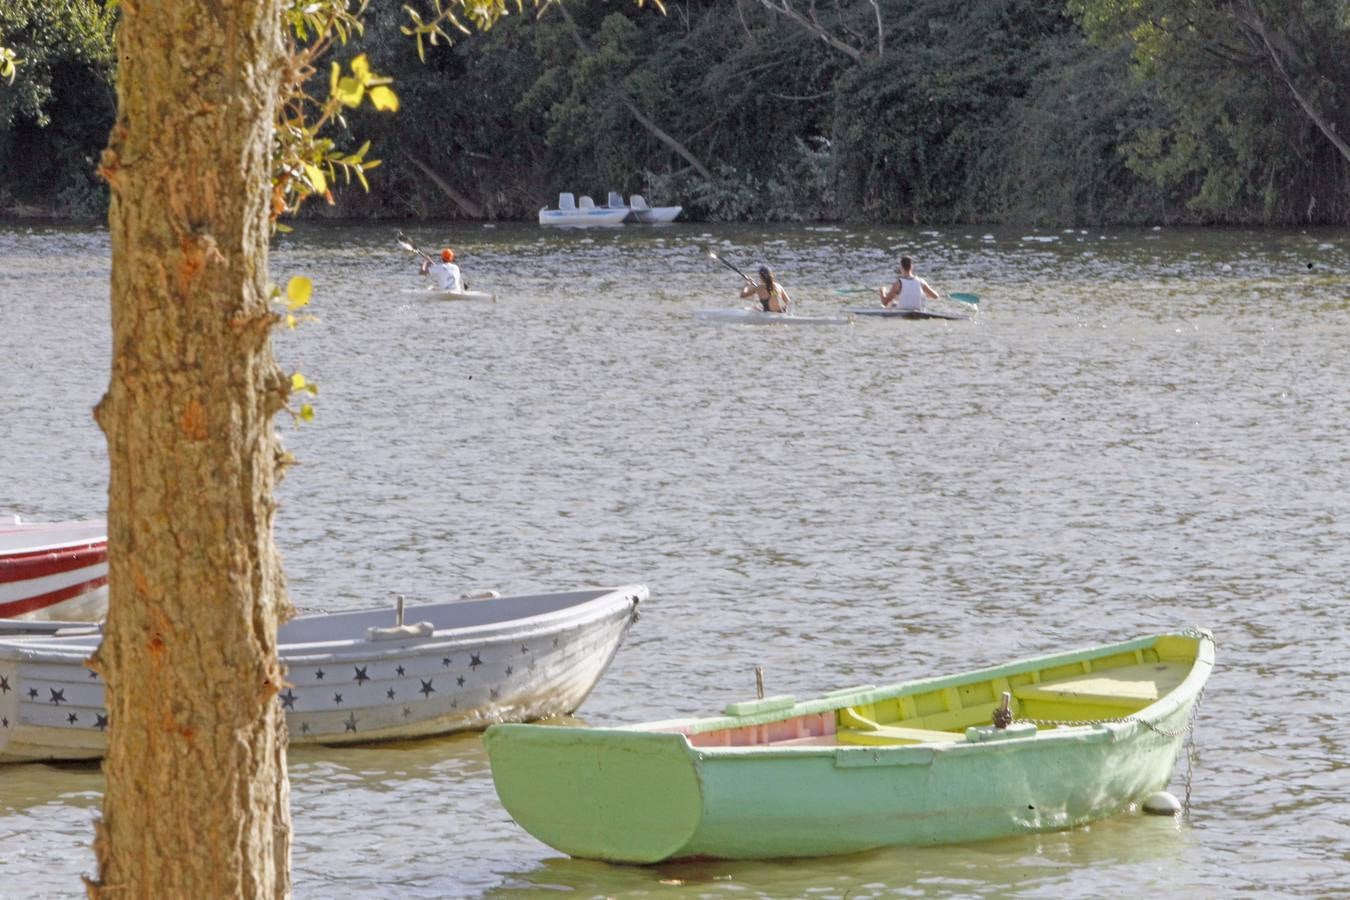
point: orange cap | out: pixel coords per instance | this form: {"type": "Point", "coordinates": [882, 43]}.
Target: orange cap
{"type": "Point", "coordinates": [447, 255]}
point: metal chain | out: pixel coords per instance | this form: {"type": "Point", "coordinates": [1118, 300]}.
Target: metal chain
{"type": "Point", "coordinates": [1188, 729]}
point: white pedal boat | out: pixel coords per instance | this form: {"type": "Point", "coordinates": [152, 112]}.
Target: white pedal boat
{"type": "Point", "coordinates": [585, 214]}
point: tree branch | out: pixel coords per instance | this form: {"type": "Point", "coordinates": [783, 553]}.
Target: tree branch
{"type": "Point", "coordinates": [467, 206]}
{"type": "Point", "coordinates": [1253, 20]}
{"type": "Point", "coordinates": [811, 24]}
{"type": "Point", "coordinates": [646, 123]}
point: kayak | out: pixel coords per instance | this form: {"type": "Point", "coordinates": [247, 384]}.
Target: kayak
{"type": "Point", "coordinates": [750, 316]}
{"type": "Point", "coordinates": [880, 312]}
{"type": "Point", "coordinates": [432, 294]}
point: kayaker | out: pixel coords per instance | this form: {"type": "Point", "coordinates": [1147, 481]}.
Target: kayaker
{"type": "Point", "coordinates": [770, 294]}
{"type": "Point", "coordinates": [444, 274]}
{"type": "Point", "coordinates": [908, 287]}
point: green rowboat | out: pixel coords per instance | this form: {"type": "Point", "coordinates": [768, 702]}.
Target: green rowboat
{"type": "Point", "coordinates": [1093, 732]}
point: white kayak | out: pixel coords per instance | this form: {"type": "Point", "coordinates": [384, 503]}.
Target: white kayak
{"type": "Point", "coordinates": [434, 294]}
{"type": "Point", "coordinates": [881, 312]}
{"type": "Point", "coordinates": [752, 316]}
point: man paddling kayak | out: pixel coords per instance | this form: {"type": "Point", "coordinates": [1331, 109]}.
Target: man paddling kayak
{"type": "Point", "coordinates": [910, 288]}
{"type": "Point", "coordinates": [444, 274]}
{"type": "Point", "coordinates": [770, 294]}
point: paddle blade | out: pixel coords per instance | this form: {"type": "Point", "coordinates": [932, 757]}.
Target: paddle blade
{"type": "Point", "coordinates": [965, 298]}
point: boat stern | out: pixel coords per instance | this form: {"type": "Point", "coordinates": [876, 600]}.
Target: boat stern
{"type": "Point", "coordinates": [575, 789]}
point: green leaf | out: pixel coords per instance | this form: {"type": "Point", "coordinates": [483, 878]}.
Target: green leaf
{"type": "Point", "coordinates": [361, 69]}
{"type": "Point", "coordinates": [350, 91]}
{"type": "Point", "coordinates": [316, 178]}
{"type": "Point", "coordinates": [384, 99]}
{"type": "Point", "coordinates": [298, 291]}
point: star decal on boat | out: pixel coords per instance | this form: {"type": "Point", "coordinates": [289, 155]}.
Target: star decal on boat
{"type": "Point", "coordinates": [4, 685]}
{"type": "Point", "coordinates": [524, 650]}
{"type": "Point", "coordinates": [460, 681]}
{"type": "Point", "coordinates": [93, 674]}
{"type": "Point", "coordinates": [72, 719]}
{"type": "Point", "coordinates": [427, 690]}
{"type": "Point", "coordinates": [318, 673]}
{"type": "Point", "coordinates": [32, 693]}
{"type": "Point", "coordinates": [406, 712]}
{"type": "Point", "coordinates": [494, 693]}
{"type": "Point", "coordinates": [337, 699]}
{"type": "Point", "coordinates": [508, 671]}
{"type": "Point", "coordinates": [4, 722]}
{"type": "Point", "coordinates": [361, 676]}
{"type": "Point", "coordinates": [400, 671]}
{"type": "Point", "coordinates": [304, 728]}
{"type": "Point", "coordinates": [350, 723]}
{"type": "Point", "coordinates": [389, 693]}
{"type": "Point", "coordinates": [287, 699]}
{"type": "Point", "coordinates": [58, 697]}
{"type": "Point", "coordinates": [445, 661]}
{"type": "Point", "coordinates": [475, 662]}
{"type": "Point", "coordinates": [100, 721]}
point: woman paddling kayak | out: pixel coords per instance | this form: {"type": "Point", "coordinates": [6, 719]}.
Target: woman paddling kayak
{"type": "Point", "coordinates": [770, 294]}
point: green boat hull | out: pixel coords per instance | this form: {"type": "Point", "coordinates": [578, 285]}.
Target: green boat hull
{"type": "Point", "coordinates": [647, 793]}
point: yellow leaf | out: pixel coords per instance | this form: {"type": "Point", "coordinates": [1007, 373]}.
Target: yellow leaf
{"type": "Point", "coordinates": [316, 178]}
{"type": "Point", "coordinates": [298, 291]}
{"type": "Point", "coordinates": [384, 99]}
{"type": "Point", "coordinates": [307, 413]}
{"type": "Point", "coordinates": [291, 321]}
{"type": "Point", "coordinates": [361, 69]}
{"type": "Point", "coordinates": [333, 75]}
{"type": "Point", "coordinates": [298, 382]}
{"type": "Point", "coordinates": [350, 91]}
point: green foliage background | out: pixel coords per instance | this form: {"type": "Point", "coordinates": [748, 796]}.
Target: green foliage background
{"type": "Point", "coordinates": [1057, 112]}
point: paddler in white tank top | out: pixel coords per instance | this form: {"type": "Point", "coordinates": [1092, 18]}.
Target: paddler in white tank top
{"type": "Point", "coordinates": [908, 287]}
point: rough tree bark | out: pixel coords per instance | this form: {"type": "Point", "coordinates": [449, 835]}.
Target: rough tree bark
{"type": "Point", "coordinates": [197, 797]}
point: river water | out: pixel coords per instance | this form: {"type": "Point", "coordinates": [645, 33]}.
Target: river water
{"type": "Point", "coordinates": [1142, 430]}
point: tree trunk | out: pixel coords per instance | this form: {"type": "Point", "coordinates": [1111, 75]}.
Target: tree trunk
{"type": "Point", "coordinates": [197, 797]}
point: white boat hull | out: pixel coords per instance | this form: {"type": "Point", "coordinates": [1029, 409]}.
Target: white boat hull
{"type": "Point", "coordinates": [582, 217]}
{"type": "Point", "coordinates": [881, 312]}
{"type": "Point", "coordinates": [470, 296]}
{"type": "Point", "coordinates": [658, 215]}
{"type": "Point", "coordinates": [507, 659]}
{"type": "Point", "coordinates": [759, 317]}
{"type": "Point", "coordinates": [54, 570]}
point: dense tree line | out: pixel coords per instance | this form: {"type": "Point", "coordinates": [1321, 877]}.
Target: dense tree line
{"type": "Point", "coordinates": [923, 111]}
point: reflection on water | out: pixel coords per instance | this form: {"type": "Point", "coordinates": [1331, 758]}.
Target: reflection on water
{"type": "Point", "coordinates": [1142, 430]}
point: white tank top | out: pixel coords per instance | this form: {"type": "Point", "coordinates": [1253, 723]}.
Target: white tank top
{"type": "Point", "coordinates": [911, 293]}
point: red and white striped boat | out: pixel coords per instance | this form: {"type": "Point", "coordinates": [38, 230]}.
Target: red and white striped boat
{"type": "Point", "coordinates": [54, 570]}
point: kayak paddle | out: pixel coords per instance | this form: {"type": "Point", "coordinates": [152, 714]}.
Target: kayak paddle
{"type": "Point", "coordinates": [964, 298]}
{"type": "Point", "coordinates": [408, 245]}
{"type": "Point", "coordinates": [713, 254]}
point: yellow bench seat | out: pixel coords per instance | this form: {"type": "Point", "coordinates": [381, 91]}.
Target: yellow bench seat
{"type": "Point", "coordinates": [1131, 687]}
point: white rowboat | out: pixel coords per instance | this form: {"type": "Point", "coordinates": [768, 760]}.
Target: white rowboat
{"type": "Point", "coordinates": [355, 677]}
